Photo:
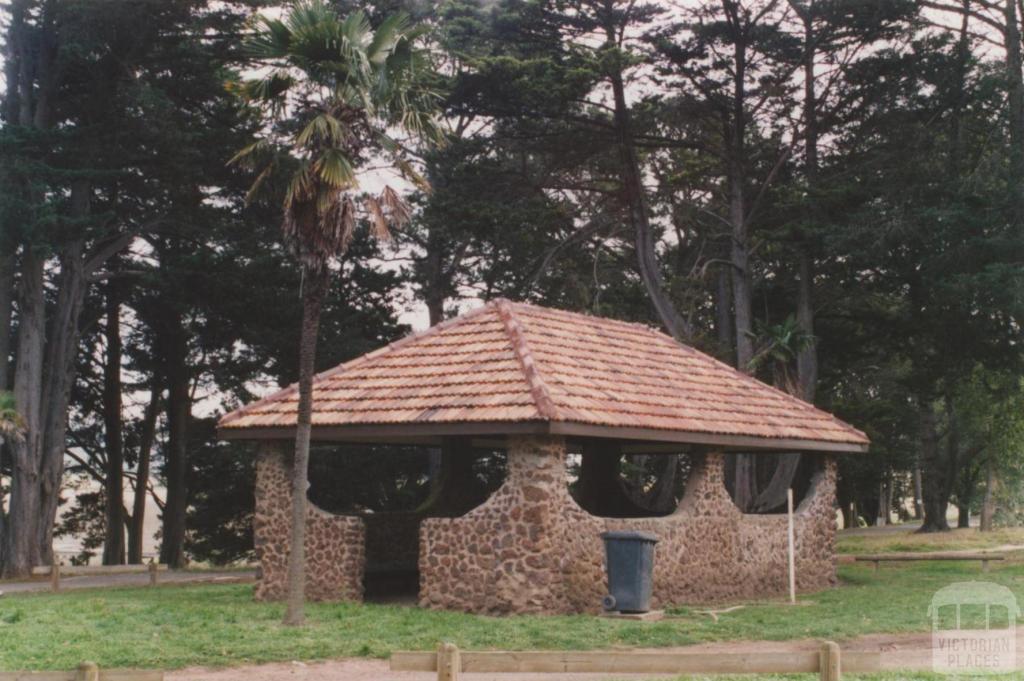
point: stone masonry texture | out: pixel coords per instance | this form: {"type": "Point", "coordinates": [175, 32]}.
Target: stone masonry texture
{"type": "Point", "coordinates": [531, 549]}
{"type": "Point", "coordinates": [335, 551]}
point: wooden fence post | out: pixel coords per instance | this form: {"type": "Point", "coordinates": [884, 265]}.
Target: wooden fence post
{"type": "Point", "coordinates": [87, 671]}
{"type": "Point", "coordinates": [55, 575]}
{"type": "Point", "coordinates": [830, 666]}
{"type": "Point", "coordinates": [792, 546]}
{"type": "Point", "coordinates": [449, 663]}
{"type": "Point", "coordinates": [152, 572]}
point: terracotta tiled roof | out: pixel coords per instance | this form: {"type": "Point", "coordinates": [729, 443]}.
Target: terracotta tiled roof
{"type": "Point", "coordinates": [512, 363]}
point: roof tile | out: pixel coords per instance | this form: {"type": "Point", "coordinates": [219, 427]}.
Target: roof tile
{"type": "Point", "coordinates": [509, 362]}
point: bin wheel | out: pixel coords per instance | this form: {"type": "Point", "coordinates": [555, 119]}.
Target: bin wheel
{"type": "Point", "coordinates": [608, 602]}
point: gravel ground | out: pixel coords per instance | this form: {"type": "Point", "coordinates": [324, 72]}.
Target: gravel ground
{"type": "Point", "coordinates": [916, 647]}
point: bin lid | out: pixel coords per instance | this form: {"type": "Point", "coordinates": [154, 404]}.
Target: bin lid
{"type": "Point", "coordinates": [629, 535]}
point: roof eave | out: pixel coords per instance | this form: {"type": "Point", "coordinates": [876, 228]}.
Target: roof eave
{"type": "Point", "coordinates": [397, 433]}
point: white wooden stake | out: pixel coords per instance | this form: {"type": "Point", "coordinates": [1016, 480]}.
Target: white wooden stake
{"type": "Point", "coordinates": [792, 548]}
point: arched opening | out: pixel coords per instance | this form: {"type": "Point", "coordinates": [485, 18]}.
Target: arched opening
{"type": "Point", "coordinates": [393, 488]}
{"type": "Point", "coordinates": [612, 481]}
{"type": "Point", "coordinates": [759, 482]}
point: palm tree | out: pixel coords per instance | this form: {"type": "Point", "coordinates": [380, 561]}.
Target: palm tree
{"type": "Point", "coordinates": [779, 345]}
{"type": "Point", "coordinates": [12, 425]}
{"type": "Point", "coordinates": [344, 85]}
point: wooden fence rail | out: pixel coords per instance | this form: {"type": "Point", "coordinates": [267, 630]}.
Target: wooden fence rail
{"type": "Point", "coordinates": [878, 558]}
{"type": "Point", "coordinates": [56, 571]}
{"type": "Point", "coordinates": [449, 662]}
{"type": "Point", "coordinates": [87, 671]}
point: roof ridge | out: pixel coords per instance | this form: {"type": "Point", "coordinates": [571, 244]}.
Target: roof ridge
{"type": "Point", "coordinates": [356, 361]}
{"type": "Point", "coordinates": [538, 388]}
{"type": "Point", "coordinates": [587, 315]}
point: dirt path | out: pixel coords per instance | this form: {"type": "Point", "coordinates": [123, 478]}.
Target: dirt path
{"type": "Point", "coordinates": [130, 579]}
{"type": "Point", "coordinates": [910, 646]}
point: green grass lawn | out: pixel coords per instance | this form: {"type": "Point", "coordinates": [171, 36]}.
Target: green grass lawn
{"type": "Point", "coordinates": [172, 627]}
{"type": "Point", "coordinates": [956, 540]}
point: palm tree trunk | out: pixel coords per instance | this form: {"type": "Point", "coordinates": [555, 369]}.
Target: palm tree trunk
{"type": "Point", "coordinates": [312, 303]}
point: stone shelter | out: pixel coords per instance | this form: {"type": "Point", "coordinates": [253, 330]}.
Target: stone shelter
{"type": "Point", "coordinates": [546, 385]}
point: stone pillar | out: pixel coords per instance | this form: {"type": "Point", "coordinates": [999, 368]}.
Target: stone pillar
{"type": "Point", "coordinates": [334, 544]}
{"type": "Point", "coordinates": [816, 530]}
{"type": "Point", "coordinates": [510, 554]}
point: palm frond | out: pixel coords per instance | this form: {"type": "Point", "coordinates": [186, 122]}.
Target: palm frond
{"type": "Point", "coordinates": [398, 210]}
{"type": "Point", "coordinates": [410, 173]}
{"type": "Point", "coordinates": [334, 169]}
{"type": "Point", "coordinates": [378, 221]}
{"type": "Point", "coordinates": [324, 130]}
{"type": "Point", "coordinates": [270, 40]}
{"type": "Point", "coordinates": [389, 33]}
{"type": "Point", "coordinates": [349, 83]}
{"type": "Point", "coordinates": [268, 90]}
{"type": "Point", "coordinates": [249, 156]}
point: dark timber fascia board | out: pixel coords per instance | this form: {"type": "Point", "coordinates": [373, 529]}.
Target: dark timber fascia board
{"type": "Point", "coordinates": [425, 433]}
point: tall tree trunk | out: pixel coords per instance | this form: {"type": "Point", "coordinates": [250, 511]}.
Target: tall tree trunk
{"type": "Point", "coordinates": [742, 301]}
{"type": "Point", "coordinates": [636, 203]}
{"type": "Point", "coordinates": [849, 517]}
{"type": "Point", "coordinates": [723, 308]}
{"type": "Point", "coordinates": [113, 545]}
{"type": "Point", "coordinates": [598, 489]}
{"type": "Point", "coordinates": [33, 51]}
{"type": "Point", "coordinates": [736, 178]}
{"type": "Point", "coordinates": [1015, 104]}
{"type": "Point", "coordinates": [918, 508]}
{"type": "Point", "coordinates": [136, 530]}
{"type": "Point", "coordinates": [7, 265]}
{"type": "Point", "coordinates": [661, 498]}
{"type": "Point", "coordinates": [14, 56]}
{"type": "Point", "coordinates": [435, 285]}
{"type": "Point", "coordinates": [884, 502]}
{"type": "Point", "coordinates": [807, 357]}
{"type": "Point", "coordinates": [60, 368]}
{"type": "Point", "coordinates": [312, 303]}
{"type": "Point", "coordinates": [988, 504]}
{"type": "Point", "coordinates": [21, 553]}
{"type": "Point", "coordinates": [456, 489]}
{"type": "Point", "coordinates": [963, 518]}
{"type": "Point", "coordinates": [15, 553]}
{"type": "Point", "coordinates": [179, 412]}
{"type": "Point", "coordinates": [933, 484]}
{"type": "Point", "coordinates": [745, 470]}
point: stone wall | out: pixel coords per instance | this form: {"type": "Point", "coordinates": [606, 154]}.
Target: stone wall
{"type": "Point", "coordinates": [334, 544]}
{"type": "Point", "coordinates": [531, 548]}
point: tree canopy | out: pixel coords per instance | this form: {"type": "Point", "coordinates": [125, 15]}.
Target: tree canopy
{"type": "Point", "coordinates": [825, 194]}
